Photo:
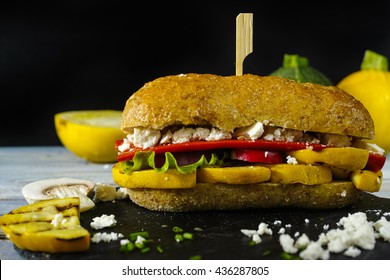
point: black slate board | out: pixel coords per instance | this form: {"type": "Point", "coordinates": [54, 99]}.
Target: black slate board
{"type": "Point", "coordinates": [221, 237]}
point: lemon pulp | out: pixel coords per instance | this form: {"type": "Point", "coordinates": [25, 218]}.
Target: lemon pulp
{"type": "Point", "coordinates": [90, 134]}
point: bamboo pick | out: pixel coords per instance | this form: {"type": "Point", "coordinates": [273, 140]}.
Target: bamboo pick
{"type": "Point", "coordinates": [244, 39]}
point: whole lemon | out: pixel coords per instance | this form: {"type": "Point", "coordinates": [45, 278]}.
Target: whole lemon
{"type": "Point", "coordinates": [371, 86]}
{"type": "Point", "coordinates": [90, 134]}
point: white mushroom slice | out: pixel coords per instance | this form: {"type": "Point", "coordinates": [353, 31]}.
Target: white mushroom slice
{"type": "Point", "coordinates": [60, 188]}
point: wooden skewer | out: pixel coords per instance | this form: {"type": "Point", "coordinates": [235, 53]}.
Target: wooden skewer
{"type": "Point", "coordinates": [244, 39]}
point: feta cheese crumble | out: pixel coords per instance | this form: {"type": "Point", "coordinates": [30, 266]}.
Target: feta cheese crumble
{"type": "Point", "coordinates": [291, 160]}
{"type": "Point", "coordinates": [106, 237]}
{"type": "Point", "coordinates": [143, 137]}
{"type": "Point", "coordinates": [287, 243]}
{"type": "Point", "coordinates": [58, 220]}
{"type": "Point", "coordinates": [354, 234]}
{"type": "Point", "coordinates": [255, 234]}
{"type": "Point", "coordinates": [103, 221]}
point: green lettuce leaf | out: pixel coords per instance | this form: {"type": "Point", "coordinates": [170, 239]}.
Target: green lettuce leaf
{"type": "Point", "coordinates": [145, 160]}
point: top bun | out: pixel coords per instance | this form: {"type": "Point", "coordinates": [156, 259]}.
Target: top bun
{"type": "Point", "coordinates": [229, 102]}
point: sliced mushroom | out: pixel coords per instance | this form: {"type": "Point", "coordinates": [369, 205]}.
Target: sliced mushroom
{"type": "Point", "coordinates": [60, 188]}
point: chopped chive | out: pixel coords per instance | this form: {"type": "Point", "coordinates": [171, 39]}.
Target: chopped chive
{"type": "Point", "coordinates": [160, 249]}
{"type": "Point", "coordinates": [266, 253]}
{"type": "Point", "coordinates": [195, 257]}
{"type": "Point", "coordinates": [144, 234]}
{"type": "Point", "coordinates": [177, 229]}
{"type": "Point", "coordinates": [139, 245]}
{"type": "Point", "coordinates": [188, 235]}
{"type": "Point", "coordinates": [145, 250]}
{"type": "Point", "coordinates": [123, 248]}
{"type": "Point", "coordinates": [287, 256]}
{"type": "Point", "coordinates": [130, 246]}
{"type": "Point", "coordinates": [252, 243]}
{"type": "Point", "coordinates": [179, 237]}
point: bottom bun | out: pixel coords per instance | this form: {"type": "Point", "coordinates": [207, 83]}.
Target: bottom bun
{"type": "Point", "coordinates": [264, 195]}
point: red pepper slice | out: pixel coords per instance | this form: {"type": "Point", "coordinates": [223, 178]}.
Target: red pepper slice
{"type": "Point", "coordinates": [375, 162]}
{"type": "Point", "coordinates": [222, 144]}
{"type": "Point", "coordinates": [259, 156]}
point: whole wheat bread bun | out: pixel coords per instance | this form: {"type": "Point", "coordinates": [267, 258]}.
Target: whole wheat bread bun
{"type": "Point", "coordinates": [263, 195]}
{"type": "Point", "coordinates": [228, 102]}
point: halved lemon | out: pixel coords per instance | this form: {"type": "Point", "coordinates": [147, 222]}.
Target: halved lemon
{"type": "Point", "coordinates": [90, 134]}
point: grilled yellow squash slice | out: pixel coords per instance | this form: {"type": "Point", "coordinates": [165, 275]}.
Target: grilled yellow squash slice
{"type": "Point", "coordinates": [50, 226]}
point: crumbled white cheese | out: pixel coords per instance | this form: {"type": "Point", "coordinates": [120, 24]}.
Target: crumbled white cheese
{"type": "Point", "coordinates": [359, 230]}
{"type": "Point", "coordinates": [166, 138]}
{"type": "Point", "coordinates": [217, 134]}
{"type": "Point", "coordinates": [263, 229]}
{"type": "Point", "coordinates": [200, 133]}
{"type": "Point", "coordinates": [352, 252]}
{"type": "Point", "coordinates": [255, 234]}
{"type": "Point", "coordinates": [103, 221]}
{"type": "Point", "coordinates": [277, 222]}
{"type": "Point", "coordinates": [287, 243]}
{"type": "Point", "coordinates": [291, 160]}
{"type": "Point", "coordinates": [355, 232]}
{"type": "Point", "coordinates": [307, 221]}
{"type": "Point", "coordinates": [323, 239]}
{"type": "Point", "coordinates": [314, 251]}
{"type": "Point", "coordinates": [121, 193]}
{"type": "Point", "coordinates": [144, 137]}
{"type": "Point", "coordinates": [106, 237]}
{"type": "Point", "coordinates": [256, 238]}
{"type": "Point", "coordinates": [124, 146]}
{"type": "Point", "coordinates": [147, 137]}
{"type": "Point", "coordinates": [249, 232]}
{"type": "Point", "coordinates": [58, 219]}
{"type": "Point", "coordinates": [124, 241]}
{"type": "Point", "coordinates": [302, 242]}
{"type": "Point", "coordinates": [280, 134]}
{"type": "Point", "coordinates": [182, 135]}
{"type": "Point", "coordinates": [382, 227]}
{"type": "Point", "coordinates": [269, 137]}
{"type": "Point", "coordinates": [140, 240]}
{"type": "Point", "coordinates": [326, 227]}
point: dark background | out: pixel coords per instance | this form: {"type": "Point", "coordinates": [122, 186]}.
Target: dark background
{"type": "Point", "coordinates": [83, 55]}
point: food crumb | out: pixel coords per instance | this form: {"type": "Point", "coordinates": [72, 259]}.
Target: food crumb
{"type": "Point", "coordinates": [106, 237]}
{"type": "Point", "coordinates": [326, 227]}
